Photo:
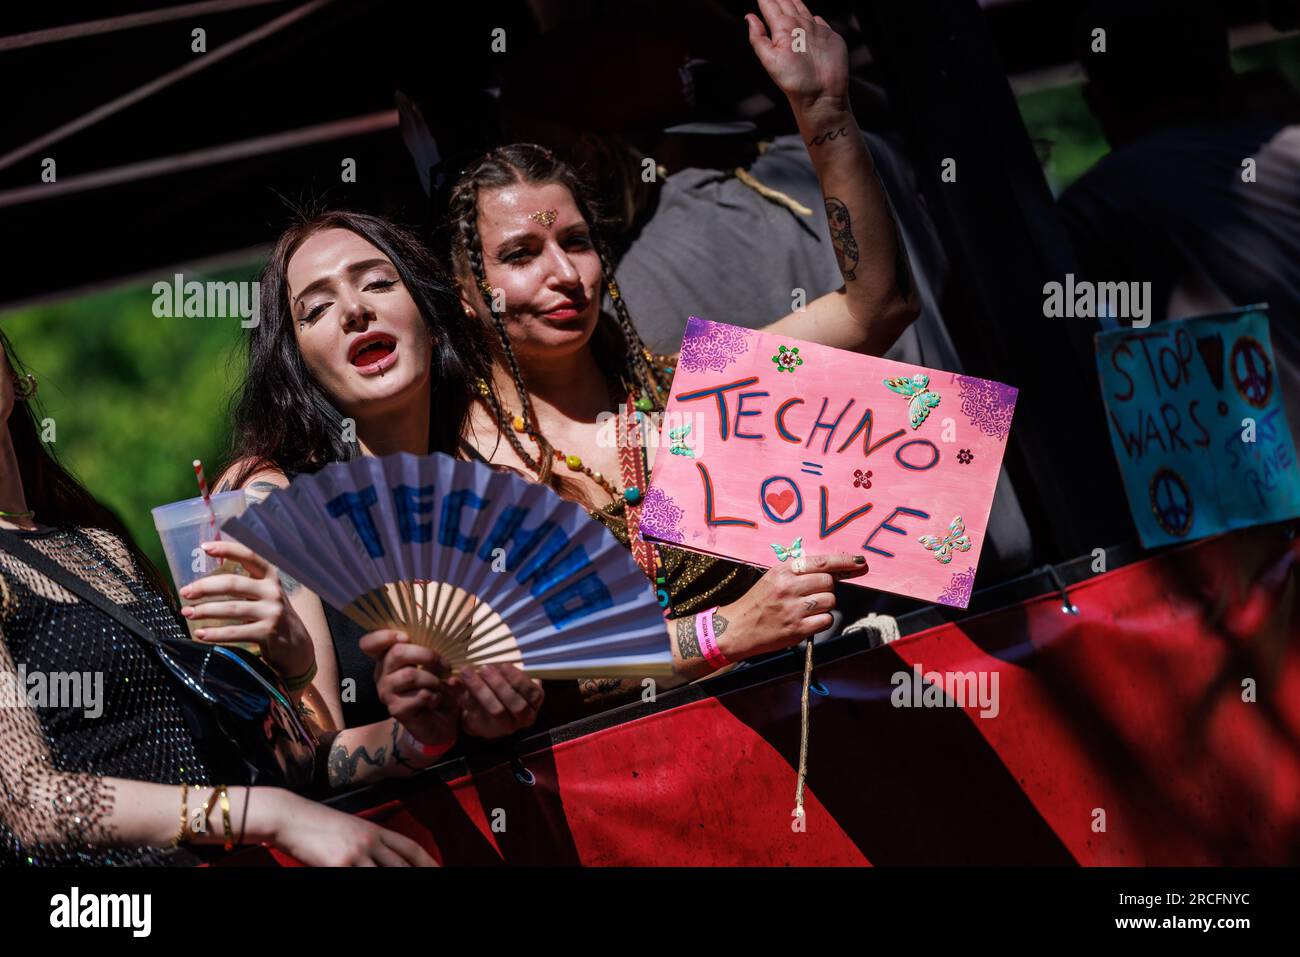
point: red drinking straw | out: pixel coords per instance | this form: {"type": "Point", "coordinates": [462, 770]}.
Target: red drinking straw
{"type": "Point", "coordinates": [207, 498]}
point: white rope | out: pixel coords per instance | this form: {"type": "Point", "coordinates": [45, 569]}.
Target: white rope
{"type": "Point", "coordinates": [885, 625]}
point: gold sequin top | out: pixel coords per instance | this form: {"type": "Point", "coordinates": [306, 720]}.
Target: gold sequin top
{"type": "Point", "coordinates": [694, 581]}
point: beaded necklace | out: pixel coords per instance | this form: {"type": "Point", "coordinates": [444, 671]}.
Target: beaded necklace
{"type": "Point", "coordinates": [636, 476]}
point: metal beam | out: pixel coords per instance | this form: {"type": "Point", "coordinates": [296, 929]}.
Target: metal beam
{"type": "Point", "coordinates": [159, 84]}
{"type": "Point", "coordinates": [128, 21]}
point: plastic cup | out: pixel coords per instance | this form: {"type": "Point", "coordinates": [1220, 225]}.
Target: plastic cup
{"type": "Point", "coordinates": [182, 527]}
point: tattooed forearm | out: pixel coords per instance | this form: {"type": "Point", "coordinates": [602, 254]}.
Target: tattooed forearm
{"type": "Point", "coordinates": [343, 763]}
{"type": "Point", "coordinates": [719, 624]}
{"type": "Point", "coordinates": [846, 247]}
{"type": "Point", "coordinates": [398, 756]}
{"type": "Point", "coordinates": [688, 643]}
{"type": "Point", "coordinates": [604, 689]}
{"type": "Point", "coordinates": [821, 138]}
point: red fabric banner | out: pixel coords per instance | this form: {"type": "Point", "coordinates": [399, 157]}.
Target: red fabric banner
{"type": "Point", "coordinates": [1125, 734]}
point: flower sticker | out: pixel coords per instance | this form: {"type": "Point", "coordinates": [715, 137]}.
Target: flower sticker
{"type": "Point", "coordinates": [787, 360]}
{"type": "Point", "coordinates": [861, 479]}
{"type": "Point", "coordinates": [965, 456]}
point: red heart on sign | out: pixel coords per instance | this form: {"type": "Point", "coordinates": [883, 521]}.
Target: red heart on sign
{"type": "Point", "coordinates": [780, 502]}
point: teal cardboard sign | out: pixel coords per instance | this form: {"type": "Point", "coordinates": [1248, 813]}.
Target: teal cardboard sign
{"type": "Point", "coordinates": [1195, 413]}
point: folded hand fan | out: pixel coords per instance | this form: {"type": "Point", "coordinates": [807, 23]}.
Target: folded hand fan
{"type": "Point", "coordinates": [480, 565]}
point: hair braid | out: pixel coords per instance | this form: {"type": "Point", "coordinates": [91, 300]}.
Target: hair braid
{"type": "Point", "coordinates": [640, 370]}
{"type": "Point", "coordinates": [473, 246]}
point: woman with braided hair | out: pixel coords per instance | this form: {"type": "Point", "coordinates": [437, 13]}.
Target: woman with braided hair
{"type": "Point", "coordinates": [530, 262]}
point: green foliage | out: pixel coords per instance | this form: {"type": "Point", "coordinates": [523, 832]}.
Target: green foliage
{"type": "Point", "coordinates": [134, 398]}
{"type": "Point", "coordinates": [1069, 141]}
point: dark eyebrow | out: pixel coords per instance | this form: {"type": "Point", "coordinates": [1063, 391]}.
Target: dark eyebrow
{"type": "Point", "coordinates": [354, 269]}
{"type": "Point", "coordinates": [520, 236]}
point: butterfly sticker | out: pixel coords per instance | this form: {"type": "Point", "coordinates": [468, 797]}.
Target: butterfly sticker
{"type": "Point", "coordinates": [794, 551]}
{"type": "Point", "coordinates": [678, 439]}
{"type": "Point", "coordinates": [920, 399]}
{"type": "Point", "coordinates": [955, 539]}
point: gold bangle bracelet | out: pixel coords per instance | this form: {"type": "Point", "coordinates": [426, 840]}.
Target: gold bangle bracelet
{"type": "Point", "coordinates": [183, 832]}
{"type": "Point", "coordinates": [225, 818]}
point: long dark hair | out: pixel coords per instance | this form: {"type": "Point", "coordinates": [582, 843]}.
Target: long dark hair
{"type": "Point", "coordinates": [624, 354]}
{"type": "Point", "coordinates": [51, 491]}
{"type": "Point", "coordinates": [283, 418]}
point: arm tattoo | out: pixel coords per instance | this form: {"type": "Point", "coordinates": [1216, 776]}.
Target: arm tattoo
{"type": "Point", "coordinates": [597, 689]}
{"type": "Point", "coordinates": [719, 623]}
{"type": "Point", "coordinates": [258, 491]}
{"type": "Point", "coordinates": [398, 757]}
{"type": "Point", "coordinates": [343, 764]}
{"type": "Point", "coordinates": [846, 247]}
{"type": "Point", "coordinates": [821, 138]}
{"type": "Point", "coordinates": [688, 643]}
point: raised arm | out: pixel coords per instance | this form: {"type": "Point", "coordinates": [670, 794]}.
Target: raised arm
{"type": "Point", "coordinates": [810, 63]}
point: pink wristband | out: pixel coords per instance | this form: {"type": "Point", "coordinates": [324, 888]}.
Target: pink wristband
{"type": "Point", "coordinates": [708, 640]}
{"type": "Point", "coordinates": [428, 750]}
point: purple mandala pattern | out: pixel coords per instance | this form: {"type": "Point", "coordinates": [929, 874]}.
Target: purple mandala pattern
{"type": "Point", "coordinates": [661, 517]}
{"type": "Point", "coordinates": [959, 589]}
{"type": "Point", "coordinates": [711, 347]}
{"type": "Point", "coordinates": [988, 405]}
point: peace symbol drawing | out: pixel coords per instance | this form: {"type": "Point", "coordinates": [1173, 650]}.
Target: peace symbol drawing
{"type": "Point", "coordinates": [1171, 502]}
{"type": "Point", "coordinates": [1252, 373]}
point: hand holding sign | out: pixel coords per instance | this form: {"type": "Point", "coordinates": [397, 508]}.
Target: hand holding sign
{"type": "Point", "coordinates": [836, 453]}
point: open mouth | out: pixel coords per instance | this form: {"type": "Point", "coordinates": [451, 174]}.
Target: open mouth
{"type": "Point", "coordinates": [371, 349]}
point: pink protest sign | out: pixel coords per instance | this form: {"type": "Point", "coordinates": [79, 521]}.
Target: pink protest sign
{"type": "Point", "coordinates": [771, 448]}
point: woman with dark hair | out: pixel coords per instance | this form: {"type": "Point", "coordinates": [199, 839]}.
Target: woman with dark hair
{"type": "Point", "coordinates": [115, 773]}
{"type": "Point", "coordinates": [527, 251]}
{"type": "Point", "coordinates": [354, 355]}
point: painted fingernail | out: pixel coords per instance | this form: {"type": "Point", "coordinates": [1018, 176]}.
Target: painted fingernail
{"type": "Point", "coordinates": [859, 559]}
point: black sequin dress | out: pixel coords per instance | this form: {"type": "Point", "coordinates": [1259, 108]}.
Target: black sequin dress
{"type": "Point", "coordinates": [126, 722]}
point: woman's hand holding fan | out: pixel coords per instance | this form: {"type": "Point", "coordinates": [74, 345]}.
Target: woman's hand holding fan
{"type": "Point", "coordinates": [482, 567]}
{"type": "Point", "coordinates": [500, 700]}
{"type": "Point", "coordinates": [416, 687]}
